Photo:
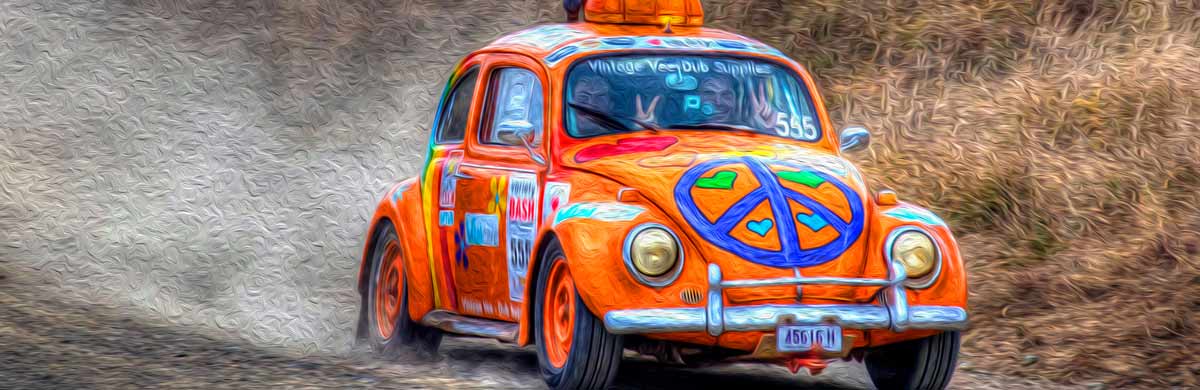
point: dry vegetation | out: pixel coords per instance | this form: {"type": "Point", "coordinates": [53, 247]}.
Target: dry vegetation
{"type": "Point", "coordinates": [1060, 139]}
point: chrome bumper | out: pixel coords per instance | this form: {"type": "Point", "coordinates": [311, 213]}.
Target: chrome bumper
{"type": "Point", "coordinates": [894, 313]}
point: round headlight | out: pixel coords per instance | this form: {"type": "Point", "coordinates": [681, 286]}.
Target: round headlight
{"type": "Point", "coordinates": [654, 252]}
{"type": "Point", "coordinates": [916, 251]}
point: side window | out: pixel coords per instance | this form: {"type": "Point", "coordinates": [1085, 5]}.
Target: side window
{"type": "Point", "coordinates": [453, 123]}
{"type": "Point", "coordinates": [515, 108]}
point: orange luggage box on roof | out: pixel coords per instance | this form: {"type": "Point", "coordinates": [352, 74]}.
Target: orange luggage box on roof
{"type": "Point", "coordinates": [658, 12]}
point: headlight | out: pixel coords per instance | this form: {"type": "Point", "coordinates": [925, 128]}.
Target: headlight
{"type": "Point", "coordinates": [653, 255]}
{"type": "Point", "coordinates": [916, 251]}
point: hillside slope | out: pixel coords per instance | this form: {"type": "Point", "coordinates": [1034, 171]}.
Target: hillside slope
{"type": "Point", "coordinates": [1062, 143]}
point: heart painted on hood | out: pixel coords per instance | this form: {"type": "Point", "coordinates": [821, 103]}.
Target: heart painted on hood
{"type": "Point", "coordinates": [813, 221]}
{"type": "Point", "coordinates": [805, 177]}
{"type": "Point", "coordinates": [760, 227]}
{"type": "Point", "coordinates": [625, 146]}
{"type": "Point", "coordinates": [722, 180]}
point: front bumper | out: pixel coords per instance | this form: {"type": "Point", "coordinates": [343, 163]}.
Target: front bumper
{"type": "Point", "coordinates": [894, 312]}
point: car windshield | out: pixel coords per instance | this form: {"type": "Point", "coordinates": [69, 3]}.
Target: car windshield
{"type": "Point", "coordinates": [613, 94]}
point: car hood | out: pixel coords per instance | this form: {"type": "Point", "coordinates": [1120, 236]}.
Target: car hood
{"type": "Point", "coordinates": [757, 210]}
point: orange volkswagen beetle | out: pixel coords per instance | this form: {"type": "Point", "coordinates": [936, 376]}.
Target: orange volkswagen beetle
{"type": "Point", "coordinates": [633, 180]}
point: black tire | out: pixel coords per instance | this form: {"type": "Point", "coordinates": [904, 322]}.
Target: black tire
{"type": "Point", "coordinates": [923, 364]}
{"type": "Point", "coordinates": [594, 354]}
{"type": "Point", "coordinates": [406, 332]}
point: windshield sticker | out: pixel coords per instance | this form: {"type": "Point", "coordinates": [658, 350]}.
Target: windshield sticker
{"type": "Point", "coordinates": [557, 195]}
{"type": "Point", "coordinates": [654, 42]}
{"type": "Point", "coordinates": [913, 214]}
{"type": "Point", "coordinates": [599, 211]}
{"type": "Point", "coordinates": [521, 228]}
{"type": "Point", "coordinates": [482, 229]}
{"type": "Point", "coordinates": [614, 94]}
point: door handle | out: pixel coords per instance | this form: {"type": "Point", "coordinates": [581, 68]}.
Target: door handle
{"type": "Point", "coordinates": [458, 174]}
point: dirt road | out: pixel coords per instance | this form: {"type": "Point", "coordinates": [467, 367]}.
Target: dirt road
{"type": "Point", "coordinates": [46, 342]}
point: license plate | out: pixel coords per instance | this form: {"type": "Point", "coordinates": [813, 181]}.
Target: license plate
{"type": "Point", "coordinates": [804, 338]}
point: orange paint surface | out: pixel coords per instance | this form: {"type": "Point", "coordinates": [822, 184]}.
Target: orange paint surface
{"type": "Point", "coordinates": [472, 225]}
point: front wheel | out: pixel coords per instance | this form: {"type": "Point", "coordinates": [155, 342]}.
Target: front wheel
{"type": "Point", "coordinates": [575, 351]}
{"type": "Point", "coordinates": [389, 327]}
{"type": "Point", "coordinates": [923, 364]}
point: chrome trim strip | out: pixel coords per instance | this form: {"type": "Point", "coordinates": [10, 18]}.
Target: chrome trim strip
{"type": "Point", "coordinates": [768, 317]}
{"type": "Point", "coordinates": [716, 302]}
{"type": "Point", "coordinates": [939, 317]}
{"type": "Point", "coordinates": [896, 299]}
{"type": "Point", "coordinates": [893, 313]}
{"type": "Point", "coordinates": [653, 281]}
{"type": "Point", "coordinates": [480, 166]}
{"type": "Point", "coordinates": [688, 319]}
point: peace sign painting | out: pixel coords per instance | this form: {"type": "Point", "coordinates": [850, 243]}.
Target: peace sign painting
{"type": "Point", "coordinates": [771, 212]}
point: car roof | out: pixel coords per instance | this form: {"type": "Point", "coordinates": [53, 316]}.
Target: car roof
{"type": "Point", "coordinates": [553, 43]}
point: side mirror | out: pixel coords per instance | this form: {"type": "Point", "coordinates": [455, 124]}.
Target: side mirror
{"type": "Point", "coordinates": [519, 132]}
{"type": "Point", "coordinates": [854, 138]}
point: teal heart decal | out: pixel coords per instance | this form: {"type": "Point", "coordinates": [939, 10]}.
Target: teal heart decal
{"type": "Point", "coordinates": [722, 180]}
{"type": "Point", "coordinates": [760, 227]}
{"type": "Point", "coordinates": [813, 221]}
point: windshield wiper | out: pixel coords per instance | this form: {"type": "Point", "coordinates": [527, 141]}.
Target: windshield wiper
{"type": "Point", "coordinates": [611, 121]}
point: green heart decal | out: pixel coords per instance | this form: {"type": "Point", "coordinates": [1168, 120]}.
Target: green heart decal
{"type": "Point", "coordinates": [806, 178]}
{"type": "Point", "coordinates": [722, 180]}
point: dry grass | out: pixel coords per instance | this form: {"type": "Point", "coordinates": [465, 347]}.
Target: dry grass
{"type": "Point", "coordinates": [1062, 143]}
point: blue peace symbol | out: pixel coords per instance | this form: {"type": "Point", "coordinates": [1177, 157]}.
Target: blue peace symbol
{"type": "Point", "coordinates": [773, 192]}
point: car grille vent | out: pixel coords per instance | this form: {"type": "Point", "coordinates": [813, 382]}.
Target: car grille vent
{"type": "Point", "coordinates": [691, 295]}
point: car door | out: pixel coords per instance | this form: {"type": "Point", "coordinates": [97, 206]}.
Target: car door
{"type": "Point", "coordinates": [498, 194]}
{"type": "Point", "coordinates": [454, 117]}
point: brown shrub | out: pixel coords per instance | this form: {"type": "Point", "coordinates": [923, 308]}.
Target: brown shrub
{"type": "Point", "coordinates": [1060, 139]}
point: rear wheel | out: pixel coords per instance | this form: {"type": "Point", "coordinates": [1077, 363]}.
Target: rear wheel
{"type": "Point", "coordinates": [574, 349]}
{"type": "Point", "coordinates": [389, 327]}
{"type": "Point", "coordinates": [923, 364]}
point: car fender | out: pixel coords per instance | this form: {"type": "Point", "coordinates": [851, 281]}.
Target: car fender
{"type": "Point", "coordinates": [950, 286]}
{"type": "Point", "coordinates": [593, 248]}
{"type": "Point", "coordinates": [402, 206]}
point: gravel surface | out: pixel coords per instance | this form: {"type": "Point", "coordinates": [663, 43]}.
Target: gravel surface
{"type": "Point", "coordinates": [47, 341]}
